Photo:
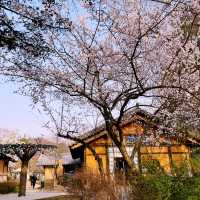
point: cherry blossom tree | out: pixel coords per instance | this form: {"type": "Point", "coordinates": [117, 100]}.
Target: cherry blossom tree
{"type": "Point", "coordinates": [114, 55]}
{"type": "Point", "coordinates": [177, 108]}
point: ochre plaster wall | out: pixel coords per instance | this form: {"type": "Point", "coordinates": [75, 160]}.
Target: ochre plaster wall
{"type": "Point", "coordinates": [1, 166]}
{"type": "Point", "coordinates": [132, 129]}
{"type": "Point", "coordinates": [156, 153]}
{"type": "Point", "coordinates": [59, 169]}
{"type": "Point", "coordinates": [90, 162]}
{"type": "Point", "coordinates": [3, 171]}
{"type": "Point", "coordinates": [176, 154]}
{"type": "Point", "coordinates": [168, 157]}
{"type": "Point", "coordinates": [49, 176]}
{"type": "Point", "coordinates": [179, 156]}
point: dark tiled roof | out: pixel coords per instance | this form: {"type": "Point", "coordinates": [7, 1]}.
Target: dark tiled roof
{"type": "Point", "coordinates": [126, 119]}
{"type": "Point", "coordinates": [129, 117]}
{"type": "Point", "coordinates": [49, 160]}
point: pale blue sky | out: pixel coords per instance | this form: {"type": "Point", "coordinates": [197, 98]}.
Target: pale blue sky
{"type": "Point", "coordinates": [17, 113]}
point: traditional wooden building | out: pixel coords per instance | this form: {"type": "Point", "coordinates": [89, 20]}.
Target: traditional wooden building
{"type": "Point", "coordinates": [158, 145]}
{"type": "Point", "coordinates": [57, 166]}
{"type": "Point", "coordinates": [4, 160]}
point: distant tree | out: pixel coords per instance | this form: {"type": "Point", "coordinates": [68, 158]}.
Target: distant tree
{"type": "Point", "coordinates": [24, 152]}
{"type": "Point", "coordinates": [8, 136]}
{"type": "Point", "coordinates": [114, 54]}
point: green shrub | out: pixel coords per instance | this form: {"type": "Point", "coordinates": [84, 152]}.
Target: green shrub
{"type": "Point", "coordinates": [155, 184]}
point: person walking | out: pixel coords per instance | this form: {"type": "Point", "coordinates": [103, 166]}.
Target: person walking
{"type": "Point", "coordinates": [33, 180]}
{"type": "Point", "coordinates": [31, 177]}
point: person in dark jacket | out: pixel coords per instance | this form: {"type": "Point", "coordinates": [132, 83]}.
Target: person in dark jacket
{"type": "Point", "coordinates": [33, 180]}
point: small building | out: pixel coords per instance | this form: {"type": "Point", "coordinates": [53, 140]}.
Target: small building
{"type": "Point", "coordinates": [4, 160]}
{"type": "Point", "coordinates": [15, 173]}
{"type": "Point", "coordinates": [57, 166]}
{"type": "Point", "coordinates": [167, 149]}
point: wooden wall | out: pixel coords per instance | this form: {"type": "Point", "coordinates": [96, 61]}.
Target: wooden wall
{"type": "Point", "coordinates": [132, 129]}
{"type": "Point", "coordinates": [50, 173]}
{"type": "Point", "coordinates": [167, 156]}
{"type": "Point", "coordinates": [49, 177]}
{"type": "Point", "coordinates": [59, 169]}
{"type": "Point", "coordinates": [3, 171]}
{"type": "Point", "coordinates": [90, 162]}
{"type": "Point", "coordinates": [1, 166]}
{"type": "Point", "coordinates": [156, 153]}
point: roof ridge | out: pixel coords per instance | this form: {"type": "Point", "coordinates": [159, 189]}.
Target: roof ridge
{"type": "Point", "coordinates": [101, 127]}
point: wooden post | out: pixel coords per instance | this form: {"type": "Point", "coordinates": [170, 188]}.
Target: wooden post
{"type": "Point", "coordinates": [190, 168]}
{"type": "Point", "coordinates": [107, 161]}
{"type": "Point", "coordinates": [139, 160]}
{"type": "Point", "coordinates": [170, 160]}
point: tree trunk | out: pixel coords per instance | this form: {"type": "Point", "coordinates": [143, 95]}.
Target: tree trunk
{"type": "Point", "coordinates": [127, 159]}
{"type": "Point", "coordinates": [112, 130]}
{"type": "Point", "coordinates": [98, 159]}
{"type": "Point", "coordinates": [23, 178]}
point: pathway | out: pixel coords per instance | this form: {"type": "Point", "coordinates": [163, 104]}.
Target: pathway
{"type": "Point", "coordinates": [30, 195]}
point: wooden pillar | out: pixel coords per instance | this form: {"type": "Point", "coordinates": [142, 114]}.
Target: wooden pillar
{"type": "Point", "coordinates": [107, 162]}
{"type": "Point", "coordinates": [3, 171]}
{"type": "Point", "coordinates": [171, 160]}
{"type": "Point", "coordinates": [139, 160]}
{"type": "Point", "coordinates": [190, 168]}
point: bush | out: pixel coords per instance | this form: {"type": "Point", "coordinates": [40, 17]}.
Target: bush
{"type": "Point", "coordinates": [156, 185]}
{"type": "Point", "coordinates": [92, 186]}
{"type": "Point", "coordinates": [165, 188]}
{"type": "Point", "coordinates": [153, 184]}
{"type": "Point", "coordinates": [9, 187]}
